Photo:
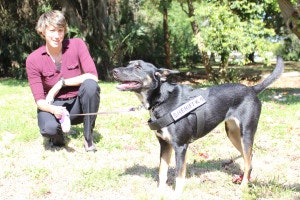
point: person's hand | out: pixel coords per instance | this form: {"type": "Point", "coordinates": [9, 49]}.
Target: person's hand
{"type": "Point", "coordinates": [57, 111]}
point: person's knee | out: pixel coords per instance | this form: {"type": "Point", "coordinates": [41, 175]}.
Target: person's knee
{"type": "Point", "coordinates": [90, 87]}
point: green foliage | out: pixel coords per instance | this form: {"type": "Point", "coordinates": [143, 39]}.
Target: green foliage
{"type": "Point", "coordinates": [289, 48]}
{"type": "Point", "coordinates": [224, 32]}
{"type": "Point", "coordinates": [136, 33]}
{"type": "Point", "coordinates": [246, 9]}
{"type": "Point", "coordinates": [232, 76]}
{"type": "Point", "coordinates": [230, 26]}
{"type": "Point", "coordinates": [44, 6]}
{"type": "Point", "coordinates": [184, 52]}
{"type": "Point", "coordinates": [17, 39]}
{"type": "Point", "coordinates": [74, 32]}
{"type": "Point", "coordinates": [133, 30]}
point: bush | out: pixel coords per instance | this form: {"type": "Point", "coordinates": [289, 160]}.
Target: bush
{"type": "Point", "coordinates": [289, 48]}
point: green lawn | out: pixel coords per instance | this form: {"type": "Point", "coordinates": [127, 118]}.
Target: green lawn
{"type": "Point", "coordinates": [126, 163]}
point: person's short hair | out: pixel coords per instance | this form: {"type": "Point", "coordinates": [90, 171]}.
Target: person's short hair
{"type": "Point", "coordinates": [51, 18]}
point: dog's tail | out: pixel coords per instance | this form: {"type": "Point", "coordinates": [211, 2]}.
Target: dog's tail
{"type": "Point", "coordinates": [270, 79]}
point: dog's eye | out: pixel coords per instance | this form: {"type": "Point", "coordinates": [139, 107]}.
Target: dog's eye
{"type": "Point", "coordinates": [138, 66]}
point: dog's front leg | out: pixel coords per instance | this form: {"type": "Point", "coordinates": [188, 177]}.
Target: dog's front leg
{"type": "Point", "coordinates": [165, 158]}
{"type": "Point", "coordinates": [180, 157]}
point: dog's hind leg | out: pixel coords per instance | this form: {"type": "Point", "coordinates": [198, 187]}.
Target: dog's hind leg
{"type": "Point", "coordinates": [247, 144]}
{"type": "Point", "coordinates": [165, 158]}
{"type": "Point", "coordinates": [242, 144]}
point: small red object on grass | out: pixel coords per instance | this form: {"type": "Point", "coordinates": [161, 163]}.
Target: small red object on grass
{"type": "Point", "coordinates": [205, 155]}
{"type": "Point", "coordinates": [237, 179]}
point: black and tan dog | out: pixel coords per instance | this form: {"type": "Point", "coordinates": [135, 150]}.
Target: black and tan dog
{"type": "Point", "coordinates": [181, 114]}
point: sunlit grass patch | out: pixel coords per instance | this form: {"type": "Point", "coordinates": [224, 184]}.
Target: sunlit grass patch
{"type": "Point", "coordinates": [37, 173]}
{"type": "Point", "coordinates": [97, 179]}
{"type": "Point", "coordinates": [41, 191]}
{"type": "Point", "coordinates": [273, 189]}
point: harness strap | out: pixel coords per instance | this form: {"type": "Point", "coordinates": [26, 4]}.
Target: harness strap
{"type": "Point", "coordinates": [200, 121]}
{"type": "Point", "coordinates": [161, 122]}
{"type": "Point", "coordinates": [187, 108]}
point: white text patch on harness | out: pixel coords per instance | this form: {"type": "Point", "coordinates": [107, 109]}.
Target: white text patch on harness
{"type": "Point", "coordinates": [187, 107]}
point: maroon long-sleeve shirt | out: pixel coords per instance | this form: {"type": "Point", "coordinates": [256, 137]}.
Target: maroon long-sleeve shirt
{"type": "Point", "coordinates": [43, 74]}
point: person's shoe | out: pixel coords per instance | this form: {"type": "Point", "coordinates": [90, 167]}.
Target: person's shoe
{"type": "Point", "coordinates": [65, 121]}
{"type": "Point", "coordinates": [57, 140]}
{"type": "Point", "coordinates": [51, 142]}
{"type": "Point", "coordinates": [89, 146]}
{"type": "Point", "coordinates": [47, 142]}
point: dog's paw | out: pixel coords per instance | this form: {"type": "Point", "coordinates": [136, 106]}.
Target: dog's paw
{"type": "Point", "coordinates": [179, 186]}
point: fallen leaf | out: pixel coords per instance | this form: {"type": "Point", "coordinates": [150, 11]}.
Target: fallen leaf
{"type": "Point", "coordinates": [205, 155]}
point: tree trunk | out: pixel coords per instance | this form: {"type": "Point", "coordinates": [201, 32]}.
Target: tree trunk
{"type": "Point", "coordinates": [166, 38]}
{"type": "Point", "coordinates": [223, 67]}
{"type": "Point", "coordinates": [291, 15]}
{"type": "Point", "coordinates": [92, 18]}
{"type": "Point", "coordinates": [200, 45]}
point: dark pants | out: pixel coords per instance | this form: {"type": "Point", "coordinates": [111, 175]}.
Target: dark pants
{"type": "Point", "coordinates": [87, 101]}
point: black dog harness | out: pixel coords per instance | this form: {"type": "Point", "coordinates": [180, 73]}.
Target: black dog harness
{"type": "Point", "coordinates": [192, 106]}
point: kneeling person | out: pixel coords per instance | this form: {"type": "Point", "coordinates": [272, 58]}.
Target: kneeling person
{"type": "Point", "coordinates": [64, 81]}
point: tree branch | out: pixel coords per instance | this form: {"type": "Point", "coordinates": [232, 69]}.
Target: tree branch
{"type": "Point", "coordinates": [291, 16]}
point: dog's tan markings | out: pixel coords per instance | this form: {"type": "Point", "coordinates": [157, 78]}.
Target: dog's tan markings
{"type": "Point", "coordinates": [164, 165]}
{"type": "Point", "coordinates": [233, 133]}
{"type": "Point", "coordinates": [140, 97]}
{"type": "Point", "coordinates": [143, 100]}
{"type": "Point", "coordinates": [148, 80]}
{"type": "Point", "coordinates": [164, 134]}
{"type": "Point", "coordinates": [247, 155]}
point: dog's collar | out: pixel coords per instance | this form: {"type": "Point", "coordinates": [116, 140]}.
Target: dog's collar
{"type": "Point", "coordinates": [176, 114]}
{"type": "Point", "coordinates": [160, 100]}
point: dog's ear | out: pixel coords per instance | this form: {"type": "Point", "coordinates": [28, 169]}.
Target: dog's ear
{"type": "Point", "coordinates": [164, 73]}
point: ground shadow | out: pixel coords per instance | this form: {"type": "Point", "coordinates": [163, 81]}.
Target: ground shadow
{"type": "Point", "coordinates": [48, 147]}
{"type": "Point", "coordinates": [197, 169]}
{"type": "Point", "coordinates": [200, 168]}
{"type": "Point", "coordinates": [75, 133]}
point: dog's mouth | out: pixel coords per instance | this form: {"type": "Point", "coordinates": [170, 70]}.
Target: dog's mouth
{"type": "Point", "coordinates": [129, 85]}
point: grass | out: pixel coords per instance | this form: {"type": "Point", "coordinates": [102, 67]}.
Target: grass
{"type": "Point", "coordinates": [126, 163]}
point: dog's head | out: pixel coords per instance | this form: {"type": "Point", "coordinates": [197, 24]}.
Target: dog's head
{"type": "Point", "coordinates": [139, 75]}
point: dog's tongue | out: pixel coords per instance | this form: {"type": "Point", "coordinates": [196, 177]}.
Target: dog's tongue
{"type": "Point", "coordinates": [128, 85]}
